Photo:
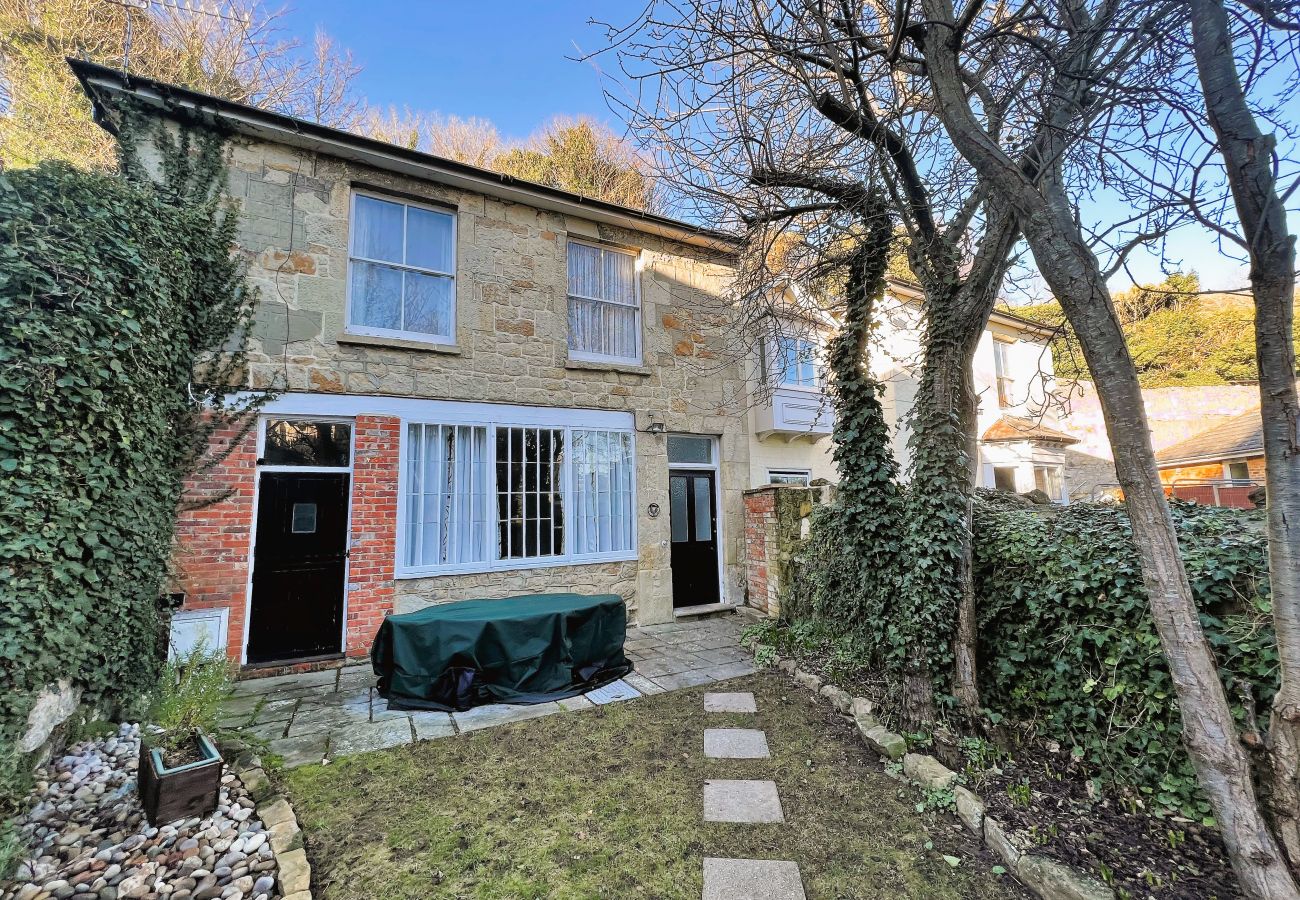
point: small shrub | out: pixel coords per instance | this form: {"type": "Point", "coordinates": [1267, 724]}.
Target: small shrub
{"type": "Point", "coordinates": [189, 697]}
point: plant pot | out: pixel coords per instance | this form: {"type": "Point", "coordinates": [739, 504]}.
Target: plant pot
{"type": "Point", "coordinates": [182, 792]}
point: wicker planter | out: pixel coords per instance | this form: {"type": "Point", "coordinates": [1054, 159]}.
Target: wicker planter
{"type": "Point", "coordinates": [182, 792]}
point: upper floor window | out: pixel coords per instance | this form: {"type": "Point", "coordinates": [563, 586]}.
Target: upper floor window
{"type": "Point", "coordinates": [797, 357]}
{"type": "Point", "coordinates": [402, 270]}
{"type": "Point", "coordinates": [604, 304]}
{"type": "Point", "coordinates": [1002, 369]}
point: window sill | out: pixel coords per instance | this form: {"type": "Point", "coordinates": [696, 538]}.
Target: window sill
{"type": "Point", "coordinates": [396, 343]}
{"type": "Point", "coordinates": [515, 566]}
{"type": "Point", "coordinates": [593, 365]}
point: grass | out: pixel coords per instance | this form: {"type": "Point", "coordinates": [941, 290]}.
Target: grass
{"type": "Point", "coordinates": [607, 803]}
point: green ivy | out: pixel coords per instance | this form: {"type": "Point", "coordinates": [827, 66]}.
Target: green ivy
{"type": "Point", "coordinates": [1067, 640]}
{"type": "Point", "coordinates": [847, 571]}
{"type": "Point", "coordinates": [122, 311]}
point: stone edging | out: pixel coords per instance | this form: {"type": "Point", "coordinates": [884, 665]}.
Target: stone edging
{"type": "Point", "coordinates": [1048, 878]}
{"type": "Point", "coordinates": [293, 870]}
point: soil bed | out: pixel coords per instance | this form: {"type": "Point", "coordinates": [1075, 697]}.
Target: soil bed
{"type": "Point", "coordinates": [1138, 854]}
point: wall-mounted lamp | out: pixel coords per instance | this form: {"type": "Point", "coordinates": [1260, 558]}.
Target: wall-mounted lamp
{"type": "Point", "coordinates": [656, 428]}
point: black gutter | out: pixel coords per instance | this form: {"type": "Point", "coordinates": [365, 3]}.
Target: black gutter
{"type": "Point", "coordinates": [127, 83]}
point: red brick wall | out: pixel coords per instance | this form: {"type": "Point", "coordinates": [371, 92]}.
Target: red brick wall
{"type": "Point", "coordinates": [760, 541]}
{"type": "Point", "coordinates": [374, 530]}
{"type": "Point", "coordinates": [213, 543]}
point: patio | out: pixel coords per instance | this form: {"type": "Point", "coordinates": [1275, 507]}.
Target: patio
{"type": "Point", "coordinates": [317, 716]}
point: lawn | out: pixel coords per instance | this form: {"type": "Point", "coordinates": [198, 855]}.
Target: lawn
{"type": "Point", "coordinates": [606, 803]}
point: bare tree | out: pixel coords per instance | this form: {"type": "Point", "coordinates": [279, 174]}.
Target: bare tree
{"type": "Point", "coordinates": [1250, 164]}
{"type": "Point", "coordinates": [237, 50]}
{"type": "Point", "coordinates": [771, 117]}
{"type": "Point", "coordinates": [1068, 63]}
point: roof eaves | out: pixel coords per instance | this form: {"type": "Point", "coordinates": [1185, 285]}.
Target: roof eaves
{"type": "Point", "coordinates": [177, 101]}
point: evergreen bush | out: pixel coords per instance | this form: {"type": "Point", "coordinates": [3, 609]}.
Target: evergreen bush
{"type": "Point", "coordinates": [122, 311]}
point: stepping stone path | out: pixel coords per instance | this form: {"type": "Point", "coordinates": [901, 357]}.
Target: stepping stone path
{"type": "Point", "coordinates": [747, 802]}
{"type": "Point", "coordinates": [735, 743]}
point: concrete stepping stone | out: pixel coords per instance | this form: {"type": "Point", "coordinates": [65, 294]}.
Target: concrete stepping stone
{"type": "Point", "coordinates": [754, 802]}
{"type": "Point", "coordinates": [735, 743]}
{"type": "Point", "coordinates": [613, 693]}
{"type": "Point", "coordinates": [752, 879]}
{"type": "Point", "coordinates": [730, 703]}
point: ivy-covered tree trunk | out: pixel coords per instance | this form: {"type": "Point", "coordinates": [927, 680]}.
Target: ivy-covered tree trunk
{"type": "Point", "coordinates": [938, 510]}
{"type": "Point", "coordinates": [866, 508]}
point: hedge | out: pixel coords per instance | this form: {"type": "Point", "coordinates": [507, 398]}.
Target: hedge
{"type": "Point", "coordinates": [112, 289]}
{"type": "Point", "coordinates": [1067, 643]}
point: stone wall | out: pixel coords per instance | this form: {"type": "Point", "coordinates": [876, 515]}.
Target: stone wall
{"type": "Point", "coordinates": [510, 346]}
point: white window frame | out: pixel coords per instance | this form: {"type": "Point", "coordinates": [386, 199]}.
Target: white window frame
{"type": "Point", "coordinates": [266, 419]}
{"type": "Point", "coordinates": [805, 474]}
{"type": "Point", "coordinates": [422, 337]}
{"type": "Point", "coordinates": [813, 339]}
{"type": "Point", "coordinates": [586, 356]}
{"type": "Point", "coordinates": [1227, 472]}
{"type": "Point", "coordinates": [1004, 381]}
{"type": "Point", "coordinates": [567, 421]}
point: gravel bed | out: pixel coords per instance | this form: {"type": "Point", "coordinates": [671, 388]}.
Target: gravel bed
{"type": "Point", "coordinates": [88, 836]}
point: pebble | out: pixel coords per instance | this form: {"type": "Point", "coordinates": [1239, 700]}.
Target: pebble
{"type": "Point", "coordinates": [86, 836]}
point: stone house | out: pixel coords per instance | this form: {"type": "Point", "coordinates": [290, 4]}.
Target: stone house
{"type": "Point", "coordinates": [486, 387]}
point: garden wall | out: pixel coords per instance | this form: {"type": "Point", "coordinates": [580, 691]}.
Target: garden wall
{"type": "Point", "coordinates": [1066, 642]}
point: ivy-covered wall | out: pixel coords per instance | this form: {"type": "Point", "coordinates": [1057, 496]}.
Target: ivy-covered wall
{"type": "Point", "coordinates": [1067, 643]}
{"type": "Point", "coordinates": [111, 290]}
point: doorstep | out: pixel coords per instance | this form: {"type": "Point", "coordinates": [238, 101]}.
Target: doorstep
{"type": "Point", "coordinates": [704, 609]}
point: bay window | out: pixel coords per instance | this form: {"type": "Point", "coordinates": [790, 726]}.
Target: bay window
{"type": "Point", "coordinates": [604, 304]}
{"type": "Point", "coordinates": [482, 496]}
{"type": "Point", "coordinates": [401, 270]}
{"type": "Point", "coordinates": [798, 362]}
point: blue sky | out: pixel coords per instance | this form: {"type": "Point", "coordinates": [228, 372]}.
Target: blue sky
{"type": "Point", "coordinates": [510, 62]}
{"type": "Point", "coordinates": [503, 61]}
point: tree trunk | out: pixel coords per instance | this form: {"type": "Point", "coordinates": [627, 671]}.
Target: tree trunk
{"type": "Point", "coordinates": [1248, 158]}
{"type": "Point", "coordinates": [1045, 215]}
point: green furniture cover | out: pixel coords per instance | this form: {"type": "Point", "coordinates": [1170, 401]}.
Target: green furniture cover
{"type": "Point", "coordinates": [519, 650]}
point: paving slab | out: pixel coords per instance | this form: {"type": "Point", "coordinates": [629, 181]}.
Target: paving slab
{"type": "Point", "coordinates": [751, 879]}
{"type": "Point", "coordinates": [573, 704]}
{"type": "Point", "coordinates": [735, 743]}
{"type": "Point", "coordinates": [325, 679]}
{"type": "Point", "coordinates": [312, 716]}
{"type": "Point", "coordinates": [430, 725]}
{"type": "Point", "coordinates": [501, 714]}
{"type": "Point", "coordinates": [281, 710]}
{"type": "Point", "coordinates": [356, 678]}
{"type": "Point", "coordinates": [729, 670]}
{"type": "Point", "coordinates": [643, 684]}
{"type": "Point", "coordinates": [742, 801]}
{"type": "Point", "coordinates": [301, 750]}
{"type": "Point", "coordinates": [369, 736]}
{"type": "Point", "coordinates": [730, 703]}
{"type": "Point", "coordinates": [676, 682]}
{"type": "Point", "coordinates": [613, 692]}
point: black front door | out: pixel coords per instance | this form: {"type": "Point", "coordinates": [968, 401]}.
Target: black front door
{"type": "Point", "coordinates": [298, 566]}
{"type": "Point", "coordinates": [694, 530]}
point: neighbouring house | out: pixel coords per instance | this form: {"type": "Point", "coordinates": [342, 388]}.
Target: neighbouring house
{"type": "Point", "coordinates": [1182, 419]}
{"type": "Point", "coordinates": [488, 387]}
{"type": "Point", "coordinates": [1021, 444]}
{"type": "Point", "coordinates": [1220, 466]}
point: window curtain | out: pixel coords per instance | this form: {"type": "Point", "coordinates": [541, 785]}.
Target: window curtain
{"type": "Point", "coordinates": [602, 302]}
{"type": "Point", "coordinates": [603, 472]}
{"type": "Point", "coordinates": [447, 499]}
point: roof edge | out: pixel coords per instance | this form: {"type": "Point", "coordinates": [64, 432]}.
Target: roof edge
{"type": "Point", "coordinates": [176, 102]}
